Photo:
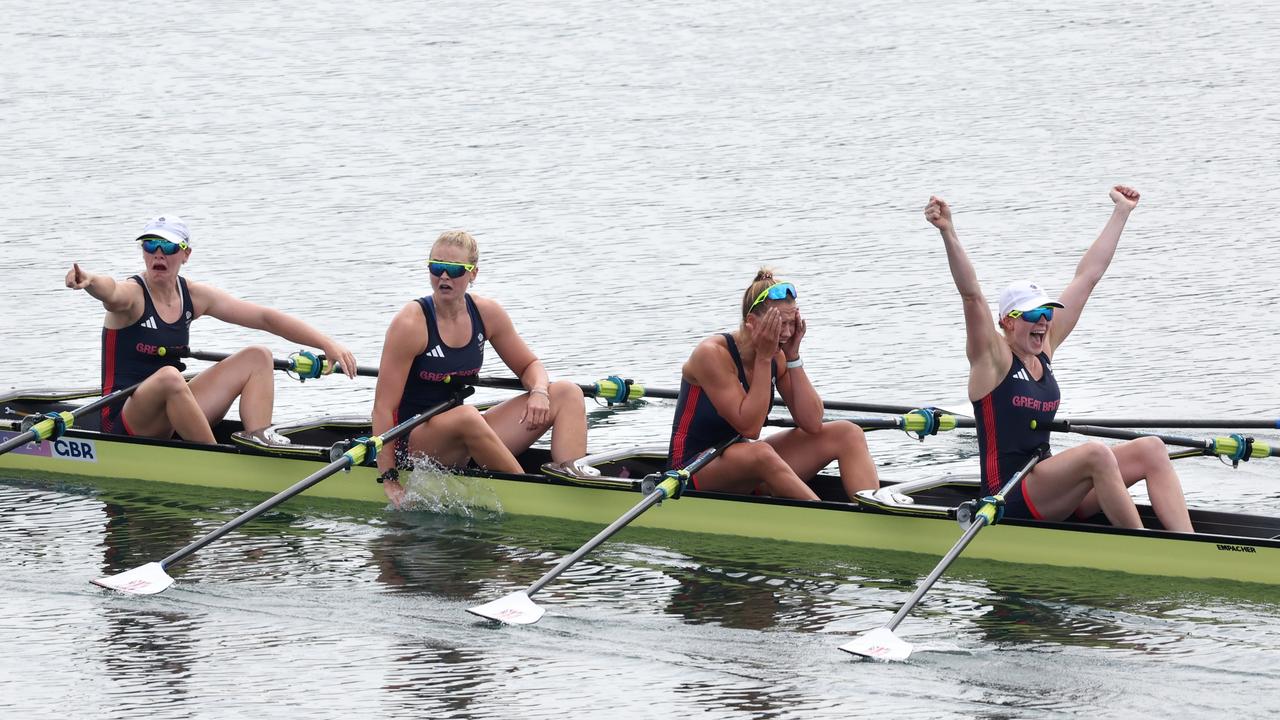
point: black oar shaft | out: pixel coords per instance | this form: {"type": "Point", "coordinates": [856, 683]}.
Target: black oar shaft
{"type": "Point", "coordinates": [980, 521]}
{"type": "Point", "coordinates": [1211, 423]}
{"type": "Point", "coordinates": [591, 390]}
{"type": "Point", "coordinates": [305, 483]}
{"type": "Point", "coordinates": [649, 501]}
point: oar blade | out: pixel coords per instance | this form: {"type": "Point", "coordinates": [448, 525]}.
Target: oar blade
{"type": "Point", "coordinates": [146, 580]}
{"type": "Point", "coordinates": [514, 609]}
{"type": "Point", "coordinates": [879, 644]}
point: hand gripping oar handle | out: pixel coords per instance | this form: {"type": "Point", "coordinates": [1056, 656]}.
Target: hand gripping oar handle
{"type": "Point", "coordinates": [672, 485]}
{"type": "Point", "coordinates": [1236, 447]}
{"type": "Point", "coordinates": [51, 426]}
{"type": "Point", "coordinates": [359, 452]}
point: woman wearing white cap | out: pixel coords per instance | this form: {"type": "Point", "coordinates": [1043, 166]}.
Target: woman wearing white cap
{"type": "Point", "coordinates": [1011, 384]}
{"type": "Point", "coordinates": [146, 331]}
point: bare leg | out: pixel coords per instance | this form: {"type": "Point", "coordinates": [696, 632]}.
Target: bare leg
{"type": "Point", "coordinates": [248, 375]}
{"type": "Point", "coordinates": [164, 404]}
{"type": "Point", "coordinates": [838, 440]}
{"type": "Point", "coordinates": [460, 433]}
{"type": "Point", "coordinates": [1147, 459]}
{"type": "Point", "coordinates": [743, 466]}
{"type": "Point", "coordinates": [1058, 485]}
{"type": "Point", "coordinates": [568, 423]}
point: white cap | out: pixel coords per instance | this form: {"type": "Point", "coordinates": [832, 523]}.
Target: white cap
{"type": "Point", "coordinates": [1023, 296]}
{"type": "Point", "coordinates": [169, 227]}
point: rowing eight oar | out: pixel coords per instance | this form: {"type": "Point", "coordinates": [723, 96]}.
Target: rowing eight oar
{"type": "Point", "coordinates": [51, 426]}
{"type": "Point", "coordinates": [882, 643]}
{"type": "Point", "coordinates": [613, 389]}
{"type": "Point", "coordinates": [1234, 448]}
{"type": "Point", "coordinates": [152, 578]}
{"type": "Point", "coordinates": [518, 608]}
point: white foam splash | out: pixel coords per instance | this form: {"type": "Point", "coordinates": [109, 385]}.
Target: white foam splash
{"type": "Point", "coordinates": [435, 489]}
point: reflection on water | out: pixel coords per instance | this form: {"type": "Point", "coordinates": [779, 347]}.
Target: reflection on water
{"type": "Point", "coordinates": [371, 608]}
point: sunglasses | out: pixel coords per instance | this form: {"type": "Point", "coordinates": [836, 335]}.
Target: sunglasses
{"type": "Point", "coordinates": [1034, 314]}
{"type": "Point", "coordinates": [452, 269]}
{"type": "Point", "coordinates": [168, 247]}
{"type": "Point", "coordinates": [776, 291]}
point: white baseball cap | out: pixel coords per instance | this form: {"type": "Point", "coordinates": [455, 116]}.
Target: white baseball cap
{"type": "Point", "coordinates": [169, 227]}
{"type": "Point", "coordinates": [1024, 295]}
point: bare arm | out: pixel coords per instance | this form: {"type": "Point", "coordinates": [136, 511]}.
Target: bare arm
{"type": "Point", "coordinates": [793, 383]}
{"type": "Point", "coordinates": [989, 356]}
{"type": "Point", "coordinates": [711, 367]}
{"type": "Point", "coordinates": [406, 337]}
{"type": "Point", "coordinates": [1092, 266]}
{"type": "Point", "coordinates": [211, 301]}
{"type": "Point", "coordinates": [517, 356]}
{"type": "Point", "coordinates": [122, 299]}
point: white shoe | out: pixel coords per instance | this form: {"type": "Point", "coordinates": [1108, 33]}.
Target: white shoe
{"type": "Point", "coordinates": [268, 436]}
{"type": "Point", "coordinates": [889, 497]}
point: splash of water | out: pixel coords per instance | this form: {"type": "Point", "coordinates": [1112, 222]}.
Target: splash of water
{"type": "Point", "coordinates": [433, 488]}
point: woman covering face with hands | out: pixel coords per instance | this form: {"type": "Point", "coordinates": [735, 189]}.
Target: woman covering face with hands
{"type": "Point", "coordinates": [726, 388]}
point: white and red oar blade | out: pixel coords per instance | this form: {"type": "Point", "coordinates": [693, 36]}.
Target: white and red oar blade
{"type": "Point", "coordinates": [146, 580]}
{"type": "Point", "coordinates": [514, 609]}
{"type": "Point", "coordinates": [879, 644]}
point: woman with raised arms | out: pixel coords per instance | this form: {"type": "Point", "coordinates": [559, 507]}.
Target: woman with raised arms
{"type": "Point", "coordinates": [145, 334]}
{"type": "Point", "coordinates": [437, 341]}
{"type": "Point", "coordinates": [1012, 384]}
{"type": "Point", "coordinates": [726, 388]}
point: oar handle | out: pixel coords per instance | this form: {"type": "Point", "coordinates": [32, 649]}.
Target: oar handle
{"type": "Point", "coordinates": [353, 456]}
{"type": "Point", "coordinates": [657, 495]}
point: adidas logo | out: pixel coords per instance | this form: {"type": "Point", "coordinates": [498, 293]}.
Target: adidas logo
{"type": "Point", "coordinates": [1023, 375]}
{"type": "Point", "coordinates": [436, 351]}
{"type": "Point", "coordinates": [150, 323]}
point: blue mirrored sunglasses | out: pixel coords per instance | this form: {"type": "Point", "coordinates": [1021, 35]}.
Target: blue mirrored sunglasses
{"type": "Point", "coordinates": [168, 247]}
{"type": "Point", "coordinates": [1033, 315]}
{"type": "Point", "coordinates": [452, 269]}
{"type": "Point", "coordinates": [776, 291]}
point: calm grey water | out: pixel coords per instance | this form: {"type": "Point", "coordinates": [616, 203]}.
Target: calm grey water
{"type": "Point", "coordinates": [626, 169]}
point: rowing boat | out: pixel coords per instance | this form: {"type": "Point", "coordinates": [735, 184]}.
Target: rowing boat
{"type": "Point", "coordinates": [916, 515]}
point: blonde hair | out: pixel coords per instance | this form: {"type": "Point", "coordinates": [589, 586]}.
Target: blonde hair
{"type": "Point", "coordinates": [764, 278]}
{"type": "Point", "coordinates": [460, 239]}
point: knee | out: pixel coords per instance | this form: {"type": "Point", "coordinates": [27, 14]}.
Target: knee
{"type": "Point", "coordinates": [1100, 458]}
{"type": "Point", "coordinates": [845, 433]}
{"type": "Point", "coordinates": [1152, 449]}
{"type": "Point", "coordinates": [763, 456]}
{"type": "Point", "coordinates": [169, 380]}
{"type": "Point", "coordinates": [563, 392]}
{"type": "Point", "coordinates": [258, 356]}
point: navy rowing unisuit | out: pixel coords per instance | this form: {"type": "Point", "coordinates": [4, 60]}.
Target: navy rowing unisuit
{"type": "Point", "coordinates": [1006, 441]}
{"type": "Point", "coordinates": [697, 426]}
{"type": "Point", "coordinates": [434, 371]}
{"type": "Point", "coordinates": [132, 354]}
